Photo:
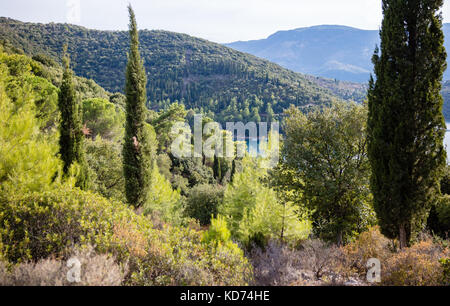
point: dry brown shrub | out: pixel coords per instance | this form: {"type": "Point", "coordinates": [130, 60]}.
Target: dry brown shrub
{"type": "Point", "coordinates": [96, 270]}
{"type": "Point", "coordinates": [369, 244]}
{"type": "Point", "coordinates": [415, 266]}
{"type": "Point", "coordinates": [279, 265]}
{"type": "Point", "coordinates": [276, 265]}
{"type": "Point", "coordinates": [320, 258]}
{"type": "Point", "coordinates": [130, 238]}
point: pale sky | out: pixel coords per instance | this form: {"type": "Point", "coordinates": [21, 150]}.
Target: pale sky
{"type": "Point", "coordinates": [216, 20]}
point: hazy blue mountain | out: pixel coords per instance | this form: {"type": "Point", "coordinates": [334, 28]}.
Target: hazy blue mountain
{"type": "Point", "coordinates": [330, 51]}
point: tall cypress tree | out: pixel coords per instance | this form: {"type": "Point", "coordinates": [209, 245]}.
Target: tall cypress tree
{"type": "Point", "coordinates": [406, 126]}
{"type": "Point", "coordinates": [71, 137]}
{"type": "Point", "coordinates": [137, 161]}
{"type": "Point", "coordinates": [233, 170]}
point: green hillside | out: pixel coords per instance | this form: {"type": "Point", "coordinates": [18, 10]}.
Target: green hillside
{"type": "Point", "coordinates": [446, 95]}
{"type": "Point", "coordinates": [222, 82]}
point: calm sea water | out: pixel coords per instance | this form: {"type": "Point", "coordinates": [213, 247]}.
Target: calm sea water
{"type": "Point", "coordinates": [255, 146]}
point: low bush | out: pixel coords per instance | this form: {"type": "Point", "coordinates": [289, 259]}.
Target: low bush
{"type": "Point", "coordinates": [44, 225]}
{"type": "Point", "coordinates": [95, 270]}
{"type": "Point", "coordinates": [313, 263]}
{"type": "Point", "coordinates": [38, 225]}
{"type": "Point", "coordinates": [418, 265]}
{"type": "Point", "coordinates": [183, 257]}
{"type": "Point", "coordinates": [369, 244]}
{"type": "Point", "coordinates": [445, 263]}
{"type": "Point", "coordinates": [203, 202]}
{"type": "Point", "coordinates": [275, 265]}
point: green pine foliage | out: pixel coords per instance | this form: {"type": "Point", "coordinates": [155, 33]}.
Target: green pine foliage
{"type": "Point", "coordinates": [103, 118]}
{"type": "Point", "coordinates": [163, 201]}
{"type": "Point", "coordinates": [24, 72]}
{"type": "Point", "coordinates": [137, 150]}
{"type": "Point", "coordinates": [163, 122]}
{"type": "Point", "coordinates": [406, 125]}
{"type": "Point", "coordinates": [254, 213]}
{"type": "Point", "coordinates": [28, 159]}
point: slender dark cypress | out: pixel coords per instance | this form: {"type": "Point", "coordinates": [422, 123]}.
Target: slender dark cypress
{"type": "Point", "coordinates": [406, 126]}
{"type": "Point", "coordinates": [137, 163]}
{"type": "Point", "coordinates": [71, 129]}
{"type": "Point", "coordinates": [233, 170]}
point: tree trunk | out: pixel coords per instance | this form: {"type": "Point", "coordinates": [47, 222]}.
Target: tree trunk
{"type": "Point", "coordinates": [339, 238]}
{"type": "Point", "coordinates": [402, 236]}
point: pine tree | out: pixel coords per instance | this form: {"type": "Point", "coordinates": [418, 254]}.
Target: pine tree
{"type": "Point", "coordinates": [137, 161]}
{"type": "Point", "coordinates": [406, 126]}
{"type": "Point", "coordinates": [28, 157]}
{"type": "Point", "coordinates": [71, 129]}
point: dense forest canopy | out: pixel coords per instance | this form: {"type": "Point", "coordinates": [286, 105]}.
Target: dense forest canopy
{"type": "Point", "coordinates": [205, 76]}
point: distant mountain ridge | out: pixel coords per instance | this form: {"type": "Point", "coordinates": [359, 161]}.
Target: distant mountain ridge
{"type": "Point", "coordinates": [330, 51]}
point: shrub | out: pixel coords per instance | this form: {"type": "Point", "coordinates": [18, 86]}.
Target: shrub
{"type": "Point", "coordinates": [369, 244]}
{"type": "Point", "coordinates": [320, 258]}
{"type": "Point", "coordinates": [275, 265]}
{"type": "Point", "coordinates": [182, 257]}
{"type": "Point", "coordinates": [254, 213]}
{"type": "Point", "coordinates": [203, 202]}
{"type": "Point", "coordinates": [95, 270]}
{"type": "Point", "coordinates": [38, 225]}
{"type": "Point", "coordinates": [278, 264]}
{"type": "Point", "coordinates": [415, 266]}
{"type": "Point", "coordinates": [218, 232]}
{"type": "Point", "coordinates": [163, 202]}
{"type": "Point", "coordinates": [445, 262]}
